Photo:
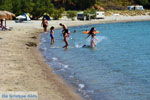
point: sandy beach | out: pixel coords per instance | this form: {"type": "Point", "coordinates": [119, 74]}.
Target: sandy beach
{"type": "Point", "coordinates": [22, 68]}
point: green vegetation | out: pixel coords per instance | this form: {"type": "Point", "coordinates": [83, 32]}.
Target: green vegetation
{"type": "Point", "coordinates": [74, 4]}
{"type": "Point", "coordinates": [54, 7]}
{"type": "Point", "coordinates": [40, 7]}
{"type": "Point", "coordinates": [107, 4]}
{"type": "Point", "coordinates": [90, 13]}
{"type": "Point", "coordinates": [71, 14]}
{"type": "Point", "coordinates": [35, 7]}
{"type": "Point", "coordinates": [57, 13]}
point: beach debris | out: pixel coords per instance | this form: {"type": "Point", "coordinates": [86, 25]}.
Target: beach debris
{"type": "Point", "coordinates": [33, 37]}
{"type": "Point", "coordinates": [31, 44]}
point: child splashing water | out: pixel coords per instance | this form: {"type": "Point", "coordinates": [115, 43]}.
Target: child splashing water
{"type": "Point", "coordinates": [93, 37]}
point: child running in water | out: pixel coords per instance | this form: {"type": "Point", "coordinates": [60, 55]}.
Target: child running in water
{"type": "Point", "coordinates": [52, 34]}
{"type": "Point", "coordinates": [93, 37]}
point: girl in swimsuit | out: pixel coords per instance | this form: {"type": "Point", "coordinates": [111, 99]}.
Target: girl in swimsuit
{"type": "Point", "coordinates": [93, 37]}
{"type": "Point", "coordinates": [52, 34]}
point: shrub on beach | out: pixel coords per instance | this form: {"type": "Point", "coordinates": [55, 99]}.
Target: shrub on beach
{"type": "Point", "coordinates": [71, 15]}
{"type": "Point", "coordinates": [90, 13]}
{"type": "Point", "coordinates": [57, 13]}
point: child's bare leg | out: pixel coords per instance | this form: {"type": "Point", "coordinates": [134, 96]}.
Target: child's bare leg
{"type": "Point", "coordinates": [66, 42]}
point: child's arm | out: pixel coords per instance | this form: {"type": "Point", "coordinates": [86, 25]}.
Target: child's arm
{"type": "Point", "coordinates": [88, 35]}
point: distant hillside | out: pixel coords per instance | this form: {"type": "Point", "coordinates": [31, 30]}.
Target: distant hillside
{"type": "Point", "coordinates": [74, 4]}
{"type": "Point", "coordinates": [107, 4]}
{"type": "Point", "coordinates": [122, 4]}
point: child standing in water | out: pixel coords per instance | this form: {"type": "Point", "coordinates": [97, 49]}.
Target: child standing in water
{"type": "Point", "coordinates": [93, 37]}
{"type": "Point", "coordinates": [52, 34]}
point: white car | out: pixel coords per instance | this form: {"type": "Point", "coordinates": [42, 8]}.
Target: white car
{"type": "Point", "coordinates": [100, 15]}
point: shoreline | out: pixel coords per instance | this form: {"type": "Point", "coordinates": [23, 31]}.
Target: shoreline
{"type": "Point", "coordinates": [17, 66]}
{"type": "Point", "coordinates": [66, 89]}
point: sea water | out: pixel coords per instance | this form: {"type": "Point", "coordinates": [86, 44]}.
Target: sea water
{"type": "Point", "coordinates": [117, 69]}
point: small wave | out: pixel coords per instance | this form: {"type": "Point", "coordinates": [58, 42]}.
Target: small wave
{"type": "Point", "coordinates": [55, 47]}
{"type": "Point", "coordinates": [78, 45]}
{"type": "Point", "coordinates": [90, 91]}
{"type": "Point", "coordinates": [81, 86]}
{"type": "Point", "coordinates": [62, 69]}
{"type": "Point", "coordinates": [70, 38]}
{"type": "Point", "coordinates": [63, 65]}
{"type": "Point", "coordinates": [100, 39]}
{"type": "Point", "coordinates": [43, 40]}
{"type": "Point", "coordinates": [66, 66]}
{"type": "Point", "coordinates": [71, 76]}
{"type": "Point", "coordinates": [44, 49]}
{"type": "Point", "coordinates": [54, 58]}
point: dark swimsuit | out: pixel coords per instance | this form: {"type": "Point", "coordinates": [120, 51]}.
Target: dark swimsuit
{"type": "Point", "coordinates": [51, 35]}
{"type": "Point", "coordinates": [44, 25]}
{"type": "Point", "coordinates": [65, 31]}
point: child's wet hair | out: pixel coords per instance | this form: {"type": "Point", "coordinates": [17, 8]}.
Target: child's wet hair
{"type": "Point", "coordinates": [52, 28]}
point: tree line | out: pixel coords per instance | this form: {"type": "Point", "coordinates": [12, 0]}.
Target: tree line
{"type": "Point", "coordinates": [35, 7]}
{"type": "Point", "coordinates": [38, 7]}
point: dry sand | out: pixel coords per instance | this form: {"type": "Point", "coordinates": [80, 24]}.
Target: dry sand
{"type": "Point", "coordinates": [22, 68]}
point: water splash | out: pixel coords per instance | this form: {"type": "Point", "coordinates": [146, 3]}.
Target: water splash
{"type": "Point", "coordinates": [98, 39]}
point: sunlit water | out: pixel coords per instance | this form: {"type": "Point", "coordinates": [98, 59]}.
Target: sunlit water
{"type": "Point", "coordinates": [117, 69]}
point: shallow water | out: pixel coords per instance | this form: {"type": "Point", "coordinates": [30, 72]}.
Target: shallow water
{"type": "Point", "coordinates": [117, 69]}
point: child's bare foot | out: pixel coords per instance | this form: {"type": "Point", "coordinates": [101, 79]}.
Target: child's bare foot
{"type": "Point", "coordinates": [65, 46]}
